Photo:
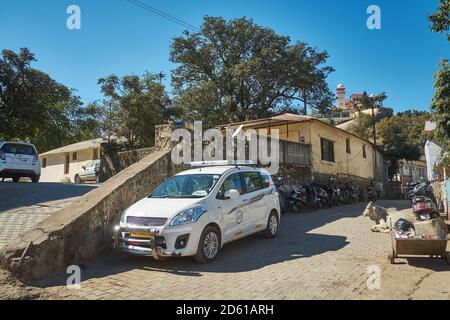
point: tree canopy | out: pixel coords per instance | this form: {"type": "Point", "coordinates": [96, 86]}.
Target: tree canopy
{"type": "Point", "coordinates": [440, 20]}
{"type": "Point", "coordinates": [132, 107]}
{"type": "Point", "coordinates": [237, 70]}
{"type": "Point", "coordinates": [36, 108]}
{"type": "Point", "coordinates": [440, 106]}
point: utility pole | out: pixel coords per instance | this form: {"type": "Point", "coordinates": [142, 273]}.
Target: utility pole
{"type": "Point", "coordinates": [374, 133]}
{"type": "Point", "coordinates": [305, 105]}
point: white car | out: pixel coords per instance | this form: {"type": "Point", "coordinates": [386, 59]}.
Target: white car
{"type": "Point", "coordinates": [19, 160]}
{"type": "Point", "coordinates": [196, 212]}
{"type": "Point", "coordinates": [89, 172]}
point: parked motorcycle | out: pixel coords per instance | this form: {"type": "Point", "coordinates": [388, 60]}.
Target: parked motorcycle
{"type": "Point", "coordinates": [306, 196]}
{"type": "Point", "coordinates": [423, 201]}
{"type": "Point", "coordinates": [324, 195]}
{"type": "Point", "coordinates": [337, 195]}
{"type": "Point", "coordinates": [372, 193]}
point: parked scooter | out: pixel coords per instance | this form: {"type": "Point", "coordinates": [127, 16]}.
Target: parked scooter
{"type": "Point", "coordinates": [306, 197]}
{"type": "Point", "coordinates": [423, 201]}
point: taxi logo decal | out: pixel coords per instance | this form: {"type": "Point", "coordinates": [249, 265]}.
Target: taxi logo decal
{"type": "Point", "coordinates": [239, 216]}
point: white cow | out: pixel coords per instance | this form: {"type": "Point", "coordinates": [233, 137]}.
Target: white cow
{"type": "Point", "coordinates": [379, 215]}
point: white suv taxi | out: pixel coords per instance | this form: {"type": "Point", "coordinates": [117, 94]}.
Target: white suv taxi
{"type": "Point", "coordinates": [19, 160]}
{"type": "Point", "coordinates": [196, 212]}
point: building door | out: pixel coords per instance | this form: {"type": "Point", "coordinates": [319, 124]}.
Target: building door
{"type": "Point", "coordinates": [66, 164]}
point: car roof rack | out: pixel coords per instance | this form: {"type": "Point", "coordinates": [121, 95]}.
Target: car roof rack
{"type": "Point", "coordinates": [222, 163]}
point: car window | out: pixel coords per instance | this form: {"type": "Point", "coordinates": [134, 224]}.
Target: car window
{"type": "Point", "coordinates": [186, 186]}
{"type": "Point", "coordinates": [232, 182]}
{"type": "Point", "coordinates": [265, 179]}
{"type": "Point", "coordinates": [17, 148]}
{"type": "Point", "coordinates": [89, 164]}
{"type": "Point", "coordinates": [252, 181]}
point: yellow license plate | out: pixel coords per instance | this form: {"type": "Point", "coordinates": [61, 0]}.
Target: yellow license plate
{"type": "Point", "coordinates": [140, 235]}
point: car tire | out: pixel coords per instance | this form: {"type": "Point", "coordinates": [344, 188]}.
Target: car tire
{"type": "Point", "coordinates": [35, 179]}
{"type": "Point", "coordinates": [77, 179]}
{"type": "Point", "coordinates": [208, 245]}
{"type": "Point", "coordinates": [16, 179]}
{"type": "Point", "coordinates": [273, 224]}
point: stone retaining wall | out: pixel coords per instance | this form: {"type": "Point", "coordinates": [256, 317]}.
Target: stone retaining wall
{"type": "Point", "coordinates": [113, 162]}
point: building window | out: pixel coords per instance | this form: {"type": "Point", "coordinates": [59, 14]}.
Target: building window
{"type": "Point", "coordinates": [74, 156]}
{"type": "Point", "coordinates": [364, 151]}
{"type": "Point", "coordinates": [66, 164]}
{"type": "Point", "coordinates": [95, 155]}
{"type": "Point", "coordinates": [327, 149]}
{"type": "Point", "coordinates": [44, 162]}
{"type": "Point", "coordinates": [347, 146]}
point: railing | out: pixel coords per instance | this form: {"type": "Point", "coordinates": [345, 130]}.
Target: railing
{"type": "Point", "coordinates": [295, 153]}
{"type": "Point", "coordinates": [333, 115]}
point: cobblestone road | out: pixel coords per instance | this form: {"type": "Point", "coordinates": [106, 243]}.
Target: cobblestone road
{"type": "Point", "coordinates": [23, 205]}
{"type": "Point", "coordinates": [317, 255]}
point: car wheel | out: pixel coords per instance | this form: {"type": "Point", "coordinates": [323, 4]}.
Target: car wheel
{"type": "Point", "coordinates": [77, 179]}
{"type": "Point", "coordinates": [35, 179]}
{"type": "Point", "coordinates": [16, 179]}
{"type": "Point", "coordinates": [272, 225]}
{"type": "Point", "coordinates": [208, 245]}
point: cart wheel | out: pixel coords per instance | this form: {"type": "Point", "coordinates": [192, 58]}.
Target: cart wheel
{"type": "Point", "coordinates": [391, 257]}
{"type": "Point", "coordinates": [446, 257]}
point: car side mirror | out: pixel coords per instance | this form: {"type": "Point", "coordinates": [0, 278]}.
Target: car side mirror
{"type": "Point", "coordinates": [84, 168]}
{"type": "Point", "coordinates": [231, 194]}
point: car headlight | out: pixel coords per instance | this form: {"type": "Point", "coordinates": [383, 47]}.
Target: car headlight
{"type": "Point", "coordinates": [123, 217]}
{"type": "Point", "coordinates": [188, 216]}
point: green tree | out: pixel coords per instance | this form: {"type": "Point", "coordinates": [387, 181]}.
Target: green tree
{"type": "Point", "coordinates": [440, 20]}
{"type": "Point", "coordinates": [399, 136]}
{"type": "Point", "coordinates": [236, 70]}
{"type": "Point", "coordinates": [132, 107]}
{"type": "Point", "coordinates": [440, 105]}
{"type": "Point", "coordinates": [36, 108]}
{"type": "Point", "coordinates": [362, 126]}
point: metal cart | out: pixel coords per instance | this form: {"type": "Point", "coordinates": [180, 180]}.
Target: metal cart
{"type": "Point", "coordinates": [418, 247]}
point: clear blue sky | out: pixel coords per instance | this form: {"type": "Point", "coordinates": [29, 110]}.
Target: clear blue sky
{"type": "Point", "coordinates": [118, 37]}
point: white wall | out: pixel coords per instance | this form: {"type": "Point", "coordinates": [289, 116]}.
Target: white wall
{"type": "Point", "coordinates": [432, 156]}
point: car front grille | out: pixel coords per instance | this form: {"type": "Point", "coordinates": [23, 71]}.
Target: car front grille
{"type": "Point", "coordinates": [146, 221]}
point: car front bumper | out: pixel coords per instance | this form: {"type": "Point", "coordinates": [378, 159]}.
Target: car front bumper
{"type": "Point", "coordinates": [155, 243]}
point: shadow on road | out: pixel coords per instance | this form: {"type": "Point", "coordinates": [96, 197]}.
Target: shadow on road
{"type": "Point", "coordinates": [296, 240]}
{"type": "Point", "coordinates": [13, 195]}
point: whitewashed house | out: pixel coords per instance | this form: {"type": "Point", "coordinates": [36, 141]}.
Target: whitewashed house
{"type": "Point", "coordinates": [61, 164]}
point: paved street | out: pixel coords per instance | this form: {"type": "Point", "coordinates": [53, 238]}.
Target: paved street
{"type": "Point", "coordinates": [23, 205]}
{"type": "Point", "coordinates": [318, 255]}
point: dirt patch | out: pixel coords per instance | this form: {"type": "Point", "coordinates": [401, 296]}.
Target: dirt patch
{"type": "Point", "coordinates": [13, 289]}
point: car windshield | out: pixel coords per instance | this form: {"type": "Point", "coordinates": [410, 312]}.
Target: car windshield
{"type": "Point", "coordinates": [186, 186]}
{"type": "Point", "coordinates": [17, 148]}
